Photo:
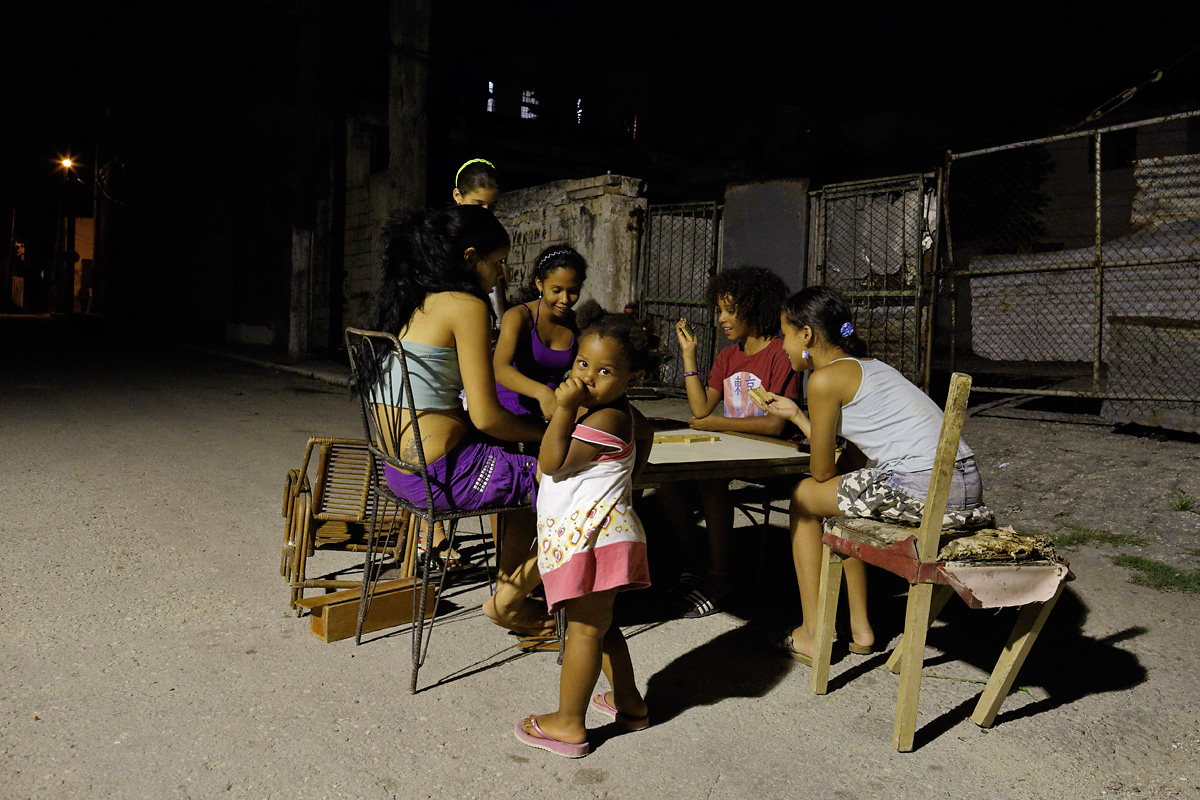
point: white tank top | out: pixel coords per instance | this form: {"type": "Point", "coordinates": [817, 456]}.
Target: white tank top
{"type": "Point", "coordinates": [893, 422]}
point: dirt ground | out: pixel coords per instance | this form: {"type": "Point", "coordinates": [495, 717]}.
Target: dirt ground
{"type": "Point", "coordinates": [148, 650]}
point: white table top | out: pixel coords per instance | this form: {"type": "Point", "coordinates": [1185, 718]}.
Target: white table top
{"type": "Point", "coordinates": [729, 447]}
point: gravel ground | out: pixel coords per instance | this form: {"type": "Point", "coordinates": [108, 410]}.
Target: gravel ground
{"type": "Point", "coordinates": [148, 650]}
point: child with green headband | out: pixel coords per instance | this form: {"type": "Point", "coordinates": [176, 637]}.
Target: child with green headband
{"type": "Point", "coordinates": [478, 184]}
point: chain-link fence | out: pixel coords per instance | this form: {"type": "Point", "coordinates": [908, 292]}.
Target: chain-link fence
{"type": "Point", "coordinates": [680, 252]}
{"type": "Point", "coordinates": [1076, 268]}
{"type": "Point", "coordinates": [875, 242]}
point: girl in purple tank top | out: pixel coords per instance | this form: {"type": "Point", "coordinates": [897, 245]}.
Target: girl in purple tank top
{"type": "Point", "coordinates": [537, 338]}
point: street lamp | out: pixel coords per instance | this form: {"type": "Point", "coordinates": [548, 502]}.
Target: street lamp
{"type": "Point", "coordinates": [63, 283]}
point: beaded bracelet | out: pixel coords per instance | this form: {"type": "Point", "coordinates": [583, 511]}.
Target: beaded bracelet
{"type": "Point", "coordinates": [691, 374]}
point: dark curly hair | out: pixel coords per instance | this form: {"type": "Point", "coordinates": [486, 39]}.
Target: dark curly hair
{"type": "Point", "coordinates": [553, 258]}
{"type": "Point", "coordinates": [639, 343]}
{"type": "Point", "coordinates": [825, 310]}
{"type": "Point", "coordinates": [423, 255]}
{"type": "Point", "coordinates": [755, 294]}
{"type": "Point", "coordinates": [556, 257]}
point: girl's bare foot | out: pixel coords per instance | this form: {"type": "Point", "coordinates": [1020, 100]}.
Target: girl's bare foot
{"type": "Point", "coordinates": [529, 619]}
{"type": "Point", "coordinates": [797, 644]}
{"type": "Point", "coordinates": [862, 637]}
{"type": "Point", "coordinates": [635, 710]}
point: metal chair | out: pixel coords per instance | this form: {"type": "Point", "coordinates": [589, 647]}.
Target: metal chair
{"type": "Point", "coordinates": [1032, 579]}
{"type": "Point", "coordinates": [328, 513]}
{"type": "Point", "coordinates": [383, 399]}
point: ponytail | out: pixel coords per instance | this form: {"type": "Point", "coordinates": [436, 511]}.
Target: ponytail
{"type": "Point", "coordinates": [826, 311]}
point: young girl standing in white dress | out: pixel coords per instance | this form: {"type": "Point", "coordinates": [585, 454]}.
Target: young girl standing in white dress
{"type": "Point", "coordinates": [591, 544]}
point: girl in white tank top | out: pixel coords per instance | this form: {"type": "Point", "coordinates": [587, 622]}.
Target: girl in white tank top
{"type": "Point", "coordinates": [891, 430]}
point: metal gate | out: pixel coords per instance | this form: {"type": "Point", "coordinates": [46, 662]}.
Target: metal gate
{"type": "Point", "coordinates": [680, 253]}
{"type": "Point", "coordinates": [876, 242]}
{"type": "Point", "coordinates": [1076, 262]}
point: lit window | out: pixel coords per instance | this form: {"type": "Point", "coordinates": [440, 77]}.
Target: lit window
{"type": "Point", "coordinates": [491, 100]}
{"type": "Point", "coordinates": [528, 105]}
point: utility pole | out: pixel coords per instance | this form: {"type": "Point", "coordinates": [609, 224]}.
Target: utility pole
{"type": "Point", "coordinates": [408, 128]}
{"type": "Point", "coordinates": [304, 192]}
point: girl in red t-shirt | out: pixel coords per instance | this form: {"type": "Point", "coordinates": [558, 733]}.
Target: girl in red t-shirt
{"type": "Point", "coordinates": [748, 301]}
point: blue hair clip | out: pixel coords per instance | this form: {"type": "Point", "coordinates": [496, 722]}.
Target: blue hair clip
{"type": "Point", "coordinates": [847, 329]}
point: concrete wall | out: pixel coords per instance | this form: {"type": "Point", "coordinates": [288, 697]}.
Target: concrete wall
{"type": "Point", "coordinates": [370, 199]}
{"type": "Point", "coordinates": [1156, 356]}
{"type": "Point", "coordinates": [1040, 314]}
{"type": "Point", "coordinates": [596, 216]}
{"type": "Point", "coordinates": [599, 217]}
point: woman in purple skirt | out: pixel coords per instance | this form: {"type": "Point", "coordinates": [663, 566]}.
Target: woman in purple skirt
{"type": "Point", "coordinates": [438, 268]}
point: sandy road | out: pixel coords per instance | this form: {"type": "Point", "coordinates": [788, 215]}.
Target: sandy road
{"type": "Point", "coordinates": [147, 651]}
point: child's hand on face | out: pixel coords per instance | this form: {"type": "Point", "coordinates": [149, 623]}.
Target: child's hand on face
{"type": "Point", "coordinates": [571, 394]}
{"type": "Point", "coordinates": [687, 341]}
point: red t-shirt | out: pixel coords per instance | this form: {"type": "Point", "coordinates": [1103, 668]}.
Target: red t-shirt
{"type": "Point", "coordinates": [734, 374]}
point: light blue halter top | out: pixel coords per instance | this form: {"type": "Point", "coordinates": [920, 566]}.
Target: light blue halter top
{"type": "Point", "coordinates": [433, 373]}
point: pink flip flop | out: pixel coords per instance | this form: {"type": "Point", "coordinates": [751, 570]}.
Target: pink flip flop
{"type": "Point", "coordinates": [547, 742]}
{"type": "Point", "coordinates": [601, 704]}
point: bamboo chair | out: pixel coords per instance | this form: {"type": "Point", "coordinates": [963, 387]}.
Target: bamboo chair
{"type": "Point", "coordinates": [1034, 584]}
{"type": "Point", "coordinates": [381, 403]}
{"type": "Point", "coordinates": [328, 513]}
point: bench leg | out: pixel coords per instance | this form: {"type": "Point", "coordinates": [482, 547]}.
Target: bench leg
{"type": "Point", "coordinates": [1020, 642]}
{"type": "Point", "coordinates": [941, 595]}
{"type": "Point", "coordinates": [827, 601]}
{"type": "Point", "coordinates": [289, 501]}
{"type": "Point", "coordinates": [916, 623]}
{"type": "Point", "coordinates": [302, 540]}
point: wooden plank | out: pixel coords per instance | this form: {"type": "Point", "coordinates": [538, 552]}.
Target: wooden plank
{"type": "Point", "coordinates": [335, 616]}
{"type": "Point", "coordinates": [912, 659]}
{"type": "Point", "coordinates": [827, 600]}
{"type": "Point", "coordinates": [930, 533]}
{"type": "Point", "coordinates": [1020, 642]}
{"type": "Point", "coordinates": [941, 595]}
{"type": "Point", "coordinates": [312, 603]}
{"type": "Point", "coordinates": [684, 438]}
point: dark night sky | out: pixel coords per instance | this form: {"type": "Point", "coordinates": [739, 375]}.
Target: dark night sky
{"type": "Point", "coordinates": [910, 77]}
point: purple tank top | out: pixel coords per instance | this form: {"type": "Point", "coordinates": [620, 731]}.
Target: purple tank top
{"type": "Point", "coordinates": [538, 361]}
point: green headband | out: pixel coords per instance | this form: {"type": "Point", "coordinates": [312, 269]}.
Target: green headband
{"type": "Point", "coordinates": [469, 163]}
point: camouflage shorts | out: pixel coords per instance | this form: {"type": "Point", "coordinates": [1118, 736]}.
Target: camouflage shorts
{"type": "Point", "coordinates": [893, 496]}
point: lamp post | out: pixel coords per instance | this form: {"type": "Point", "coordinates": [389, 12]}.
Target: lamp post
{"type": "Point", "coordinates": [65, 258]}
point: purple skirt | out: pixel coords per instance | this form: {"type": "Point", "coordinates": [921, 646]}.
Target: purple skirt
{"type": "Point", "coordinates": [478, 473]}
{"type": "Point", "coordinates": [519, 404]}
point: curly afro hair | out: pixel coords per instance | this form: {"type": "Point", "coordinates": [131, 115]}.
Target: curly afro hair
{"type": "Point", "coordinates": [637, 338]}
{"type": "Point", "coordinates": [755, 294]}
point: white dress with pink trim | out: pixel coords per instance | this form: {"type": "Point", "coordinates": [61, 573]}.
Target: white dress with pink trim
{"type": "Point", "coordinates": [589, 537]}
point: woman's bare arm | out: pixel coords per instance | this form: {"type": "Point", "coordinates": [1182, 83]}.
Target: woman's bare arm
{"type": "Point", "coordinates": [823, 410]}
{"type": "Point", "coordinates": [515, 323]}
{"type": "Point", "coordinates": [701, 399]}
{"type": "Point", "coordinates": [762, 425]}
{"type": "Point", "coordinates": [468, 320]}
{"type": "Point", "coordinates": [643, 437]}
